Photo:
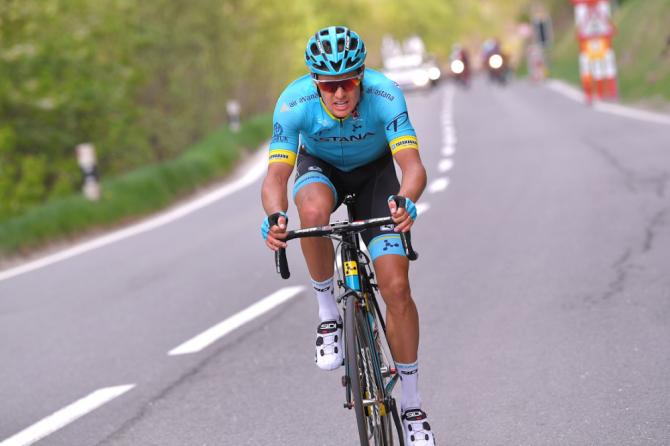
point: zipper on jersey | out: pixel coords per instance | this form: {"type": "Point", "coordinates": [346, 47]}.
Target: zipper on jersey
{"type": "Point", "coordinates": [340, 138]}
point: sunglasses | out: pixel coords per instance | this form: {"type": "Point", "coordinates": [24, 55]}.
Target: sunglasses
{"type": "Point", "coordinates": [331, 86]}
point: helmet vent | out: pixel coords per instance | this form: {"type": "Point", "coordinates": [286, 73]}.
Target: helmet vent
{"type": "Point", "coordinates": [353, 43]}
{"type": "Point", "coordinates": [327, 48]}
{"type": "Point", "coordinates": [340, 45]}
{"type": "Point", "coordinates": [324, 33]}
{"type": "Point", "coordinates": [339, 30]}
{"type": "Point", "coordinates": [350, 63]}
{"type": "Point", "coordinates": [337, 65]}
{"type": "Point", "coordinates": [314, 49]}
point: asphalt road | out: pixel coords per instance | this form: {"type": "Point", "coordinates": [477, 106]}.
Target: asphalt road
{"type": "Point", "coordinates": [543, 288]}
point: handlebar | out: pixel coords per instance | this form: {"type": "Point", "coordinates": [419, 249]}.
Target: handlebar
{"type": "Point", "coordinates": [336, 228]}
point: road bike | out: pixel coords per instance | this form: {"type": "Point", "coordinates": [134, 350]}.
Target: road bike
{"type": "Point", "coordinates": [370, 372]}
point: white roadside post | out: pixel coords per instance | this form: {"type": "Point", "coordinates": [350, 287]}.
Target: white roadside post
{"type": "Point", "coordinates": [233, 109]}
{"type": "Point", "coordinates": [87, 162]}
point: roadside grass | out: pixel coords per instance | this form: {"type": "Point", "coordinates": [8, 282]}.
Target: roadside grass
{"type": "Point", "coordinates": [134, 194]}
{"type": "Point", "coordinates": [643, 59]}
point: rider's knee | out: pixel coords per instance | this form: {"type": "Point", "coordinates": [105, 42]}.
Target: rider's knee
{"type": "Point", "coordinates": [396, 293]}
{"type": "Point", "coordinates": [314, 214]}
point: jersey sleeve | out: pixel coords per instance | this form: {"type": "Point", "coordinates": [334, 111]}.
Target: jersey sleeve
{"type": "Point", "coordinates": [285, 132]}
{"type": "Point", "coordinates": [400, 133]}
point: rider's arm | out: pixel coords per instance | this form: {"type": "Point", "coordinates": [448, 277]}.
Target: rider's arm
{"type": "Point", "coordinates": [404, 146]}
{"type": "Point", "coordinates": [273, 192]}
{"type": "Point", "coordinates": [412, 185]}
{"type": "Point", "coordinates": [413, 174]}
{"type": "Point", "coordinates": [282, 156]}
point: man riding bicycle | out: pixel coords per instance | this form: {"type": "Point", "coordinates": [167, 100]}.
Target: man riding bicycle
{"type": "Point", "coordinates": [346, 124]}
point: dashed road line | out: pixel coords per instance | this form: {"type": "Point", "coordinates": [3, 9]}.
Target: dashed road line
{"type": "Point", "coordinates": [438, 185]}
{"type": "Point", "coordinates": [221, 329]}
{"type": "Point", "coordinates": [422, 208]}
{"type": "Point", "coordinates": [445, 165]}
{"type": "Point", "coordinates": [448, 150]}
{"type": "Point", "coordinates": [65, 416]}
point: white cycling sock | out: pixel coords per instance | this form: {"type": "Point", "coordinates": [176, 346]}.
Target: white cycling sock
{"type": "Point", "coordinates": [325, 295]}
{"type": "Point", "coordinates": [409, 375]}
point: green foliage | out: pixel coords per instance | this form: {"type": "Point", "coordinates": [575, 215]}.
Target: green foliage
{"type": "Point", "coordinates": [134, 194]}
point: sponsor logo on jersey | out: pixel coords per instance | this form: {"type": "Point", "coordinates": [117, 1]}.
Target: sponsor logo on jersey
{"type": "Point", "coordinates": [397, 121]}
{"type": "Point", "coordinates": [403, 142]}
{"type": "Point", "coordinates": [277, 133]}
{"type": "Point", "coordinates": [350, 138]}
{"type": "Point", "coordinates": [384, 94]}
{"type": "Point", "coordinates": [282, 156]}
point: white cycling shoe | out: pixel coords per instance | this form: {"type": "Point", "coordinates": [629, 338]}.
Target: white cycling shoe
{"type": "Point", "coordinates": [329, 352]}
{"type": "Point", "coordinates": [417, 429]}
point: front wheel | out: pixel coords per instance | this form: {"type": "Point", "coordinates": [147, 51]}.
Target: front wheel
{"type": "Point", "coordinates": [373, 417]}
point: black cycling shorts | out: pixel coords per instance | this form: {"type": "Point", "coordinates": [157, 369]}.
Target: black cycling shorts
{"type": "Point", "coordinates": [372, 184]}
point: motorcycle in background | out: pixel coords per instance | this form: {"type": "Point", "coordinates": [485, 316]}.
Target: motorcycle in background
{"type": "Point", "coordinates": [497, 68]}
{"type": "Point", "coordinates": [459, 65]}
{"type": "Point", "coordinates": [495, 62]}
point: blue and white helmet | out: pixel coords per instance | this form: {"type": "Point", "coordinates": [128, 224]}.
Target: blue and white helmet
{"type": "Point", "coordinates": [335, 50]}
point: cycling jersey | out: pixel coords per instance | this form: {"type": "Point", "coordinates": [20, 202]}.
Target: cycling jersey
{"type": "Point", "coordinates": [380, 122]}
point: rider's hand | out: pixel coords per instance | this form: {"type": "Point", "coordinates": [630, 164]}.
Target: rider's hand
{"type": "Point", "coordinates": [404, 215]}
{"type": "Point", "coordinates": [273, 235]}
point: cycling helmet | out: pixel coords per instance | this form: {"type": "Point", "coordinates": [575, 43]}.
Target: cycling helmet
{"type": "Point", "coordinates": [335, 50]}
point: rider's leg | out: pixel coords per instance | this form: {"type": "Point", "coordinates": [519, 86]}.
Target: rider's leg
{"type": "Point", "coordinates": [402, 318]}
{"type": "Point", "coordinates": [315, 201]}
{"type": "Point", "coordinates": [402, 329]}
{"type": "Point", "coordinates": [402, 323]}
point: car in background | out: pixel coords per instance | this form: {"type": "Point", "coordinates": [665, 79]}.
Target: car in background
{"type": "Point", "coordinates": [412, 71]}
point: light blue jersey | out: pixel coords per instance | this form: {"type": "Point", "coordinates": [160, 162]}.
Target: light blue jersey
{"type": "Point", "coordinates": [379, 123]}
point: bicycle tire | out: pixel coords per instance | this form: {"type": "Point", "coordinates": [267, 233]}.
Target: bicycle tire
{"type": "Point", "coordinates": [372, 423]}
{"type": "Point", "coordinates": [353, 369]}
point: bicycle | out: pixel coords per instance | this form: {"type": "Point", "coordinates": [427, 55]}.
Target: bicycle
{"type": "Point", "coordinates": [370, 373]}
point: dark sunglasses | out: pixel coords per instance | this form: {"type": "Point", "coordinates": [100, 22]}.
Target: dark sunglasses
{"type": "Point", "coordinates": [331, 86]}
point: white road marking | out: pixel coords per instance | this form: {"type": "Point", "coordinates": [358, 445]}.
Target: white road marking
{"type": "Point", "coordinates": [254, 173]}
{"type": "Point", "coordinates": [445, 164]}
{"type": "Point", "coordinates": [438, 185]}
{"type": "Point", "coordinates": [616, 109]}
{"type": "Point", "coordinates": [65, 416]}
{"type": "Point", "coordinates": [448, 150]}
{"type": "Point", "coordinates": [565, 89]}
{"type": "Point", "coordinates": [232, 323]}
{"type": "Point", "coordinates": [642, 115]}
{"type": "Point", "coordinates": [422, 208]}
{"type": "Point", "coordinates": [450, 139]}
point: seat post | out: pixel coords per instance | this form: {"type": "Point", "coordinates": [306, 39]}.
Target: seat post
{"type": "Point", "coordinates": [350, 200]}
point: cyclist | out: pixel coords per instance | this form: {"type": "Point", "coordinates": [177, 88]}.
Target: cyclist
{"type": "Point", "coordinates": [345, 124]}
